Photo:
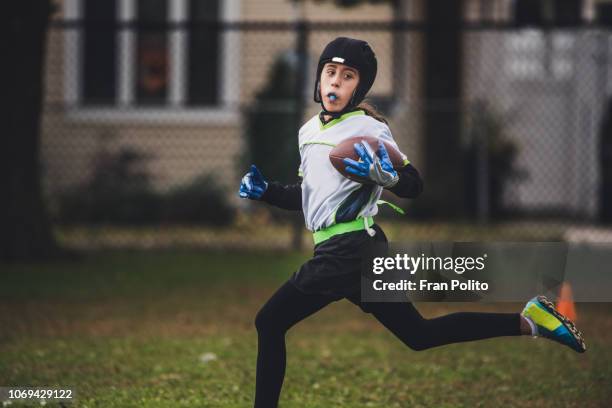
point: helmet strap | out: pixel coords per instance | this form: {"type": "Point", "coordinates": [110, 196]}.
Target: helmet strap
{"type": "Point", "coordinates": [348, 108]}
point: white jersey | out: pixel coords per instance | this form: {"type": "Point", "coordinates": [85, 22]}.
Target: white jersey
{"type": "Point", "coordinates": [327, 196]}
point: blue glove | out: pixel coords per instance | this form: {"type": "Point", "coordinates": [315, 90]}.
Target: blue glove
{"type": "Point", "coordinates": [373, 167]}
{"type": "Point", "coordinates": [253, 184]}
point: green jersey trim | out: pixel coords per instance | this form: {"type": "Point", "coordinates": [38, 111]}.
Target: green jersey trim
{"type": "Point", "coordinates": [338, 120]}
{"type": "Point", "coordinates": [318, 142]}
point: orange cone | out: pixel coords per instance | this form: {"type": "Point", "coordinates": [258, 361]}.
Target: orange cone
{"type": "Point", "coordinates": [565, 302]}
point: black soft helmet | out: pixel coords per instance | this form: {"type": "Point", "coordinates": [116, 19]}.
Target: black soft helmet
{"type": "Point", "coordinates": [356, 54]}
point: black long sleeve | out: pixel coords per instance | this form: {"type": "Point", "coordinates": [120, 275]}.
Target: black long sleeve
{"type": "Point", "coordinates": [410, 184]}
{"type": "Point", "coordinates": [288, 197]}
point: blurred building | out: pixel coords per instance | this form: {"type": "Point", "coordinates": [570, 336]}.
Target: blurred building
{"type": "Point", "coordinates": [179, 94]}
{"type": "Point", "coordinates": [552, 85]}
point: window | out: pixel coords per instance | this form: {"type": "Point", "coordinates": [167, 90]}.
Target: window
{"type": "Point", "coordinates": [99, 53]}
{"type": "Point", "coordinates": [203, 43]}
{"type": "Point", "coordinates": [544, 12]}
{"type": "Point", "coordinates": [127, 71]}
{"type": "Point", "coordinates": [535, 54]}
{"type": "Point", "coordinates": [151, 84]}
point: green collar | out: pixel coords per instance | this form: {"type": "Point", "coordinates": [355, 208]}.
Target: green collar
{"type": "Point", "coordinates": [338, 120]}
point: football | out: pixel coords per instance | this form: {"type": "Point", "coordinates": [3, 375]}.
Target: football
{"type": "Point", "coordinates": [346, 149]}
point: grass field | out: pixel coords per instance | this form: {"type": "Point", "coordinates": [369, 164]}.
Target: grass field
{"type": "Point", "coordinates": [256, 232]}
{"type": "Point", "coordinates": [175, 329]}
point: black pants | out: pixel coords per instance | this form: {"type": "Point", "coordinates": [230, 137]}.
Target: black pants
{"type": "Point", "coordinates": [289, 305]}
{"type": "Point", "coordinates": [334, 273]}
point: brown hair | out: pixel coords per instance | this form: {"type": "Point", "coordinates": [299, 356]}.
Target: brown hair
{"type": "Point", "coordinates": [371, 110]}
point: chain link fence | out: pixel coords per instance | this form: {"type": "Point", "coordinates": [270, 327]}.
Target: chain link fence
{"type": "Point", "coordinates": [151, 120]}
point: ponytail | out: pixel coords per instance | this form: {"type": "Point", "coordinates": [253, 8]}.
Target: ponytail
{"type": "Point", "coordinates": [370, 110]}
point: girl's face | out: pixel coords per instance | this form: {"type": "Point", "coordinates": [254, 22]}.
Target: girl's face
{"type": "Point", "coordinates": [339, 80]}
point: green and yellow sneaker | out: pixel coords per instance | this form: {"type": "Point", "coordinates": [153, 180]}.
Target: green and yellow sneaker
{"type": "Point", "coordinates": [552, 324]}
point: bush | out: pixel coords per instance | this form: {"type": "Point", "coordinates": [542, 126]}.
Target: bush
{"type": "Point", "coordinates": [272, 124]}
{"type": "Point", "coordinates": [202, 202]}
{"type": "Point", "coordinates": [488, 140]}
{"type": "Point", "coordinates": [120, 192]}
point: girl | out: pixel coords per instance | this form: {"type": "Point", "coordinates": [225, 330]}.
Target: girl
{"type": "Point", "coordinates": [339, 212]}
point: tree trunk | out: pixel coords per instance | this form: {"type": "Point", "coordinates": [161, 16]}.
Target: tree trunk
{"type": "Point", "coordinates": [605, 157]}
{"type": "Point", "coordinates": [25, 231]}
{"type": "Point", "coordinates": [443, 76]}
